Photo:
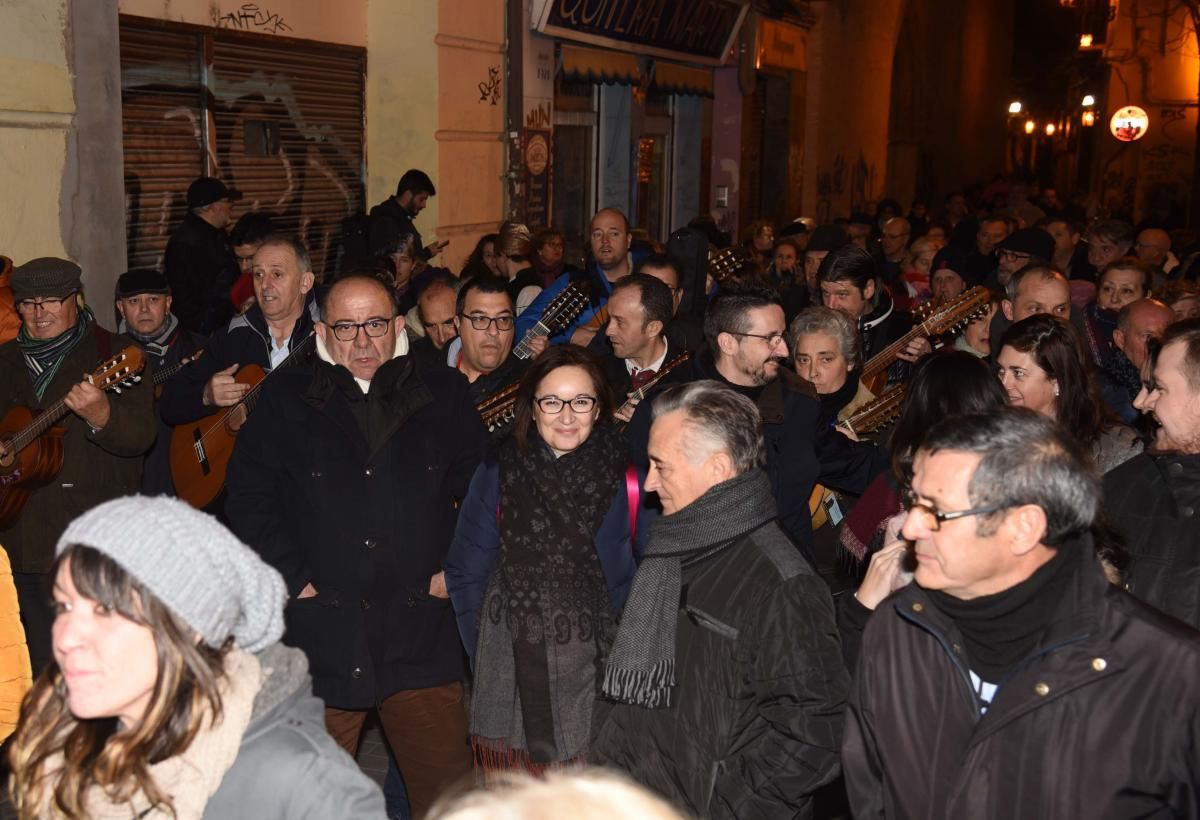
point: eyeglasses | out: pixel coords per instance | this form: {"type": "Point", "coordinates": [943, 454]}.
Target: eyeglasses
{"type": "Point", "coordinates": [481, 322]}
{"type": "Point", "coordinates": [1013, 255]}
{"type": "Point", "coordinates": [52, 305]}
{"type": "Point", "coordinates": [553, 405]}
{"type": "Point", "coordinates": [348, 331]}
{"type": "Point", "coordinates": [771, 339]}
{"type": "Point", "coordinates": [928, 517]}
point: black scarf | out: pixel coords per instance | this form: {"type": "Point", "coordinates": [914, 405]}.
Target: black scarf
{"type": "Point", "coordinates": [43, 357]}
{"type": "Point", "coordinates": [546, 610]}
{"type": "Point", "coordinates": [1002, 630]}
{"type": "Point", "coordinates": [832, 403]}
{"type": "Point", "coordinates": [641, 667]}
{"type": "Point", "coordinates": [160, 343]}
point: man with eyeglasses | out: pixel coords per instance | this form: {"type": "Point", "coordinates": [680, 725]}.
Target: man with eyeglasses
{"type": "Point", "coordinates": [345, 479]}
{"type": "Point", "coordinates": [1011, 678]}
{"type": "Point", "coordinates": [103, 440]}
{"type": "Point", "coordinates": [266, 335]}
{"type": "Point", "coordinates": [486, 332]}
{"type": "Point", "coordinates": [747, 353]}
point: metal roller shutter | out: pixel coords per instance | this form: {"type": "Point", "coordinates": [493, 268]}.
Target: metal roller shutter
{"type": "Point", "coordinates": [284, 119]}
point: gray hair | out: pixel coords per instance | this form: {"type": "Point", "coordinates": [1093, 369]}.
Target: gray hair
{"type": "Point", "coordinates": [277, 240]}
{"type": "Point", "coordinates": [1045, 272]}
{"type": "Point", "coordinates": [826, 320]}
{"type": "Point", "coordinates": [718, 420]}
{"type": "Point", "coordinates": [1024, 460]}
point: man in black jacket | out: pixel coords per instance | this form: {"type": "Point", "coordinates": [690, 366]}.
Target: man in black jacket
{"type": "Point", "coordinates": [345, 480]}
{"type": "Point", "coordinates": [393, 218]}
{"type": "Point", "coordinates": [1153, 498]}
{"type": "Point", "coordinates": [747, 353]}
{"type": "Point", "coordinates": [726, 670]}
{"type": "Point", "coordinates": [639, 311]}
{"type": "Point", "coordinates": [199, 262]}
{"type": "Point", "coordinates": [1011, 678]}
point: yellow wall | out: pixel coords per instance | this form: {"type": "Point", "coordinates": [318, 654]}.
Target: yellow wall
{"type": "Point", "coordinates": [36, 105]}
{"type": "Point", "coordinates": [343, 21]}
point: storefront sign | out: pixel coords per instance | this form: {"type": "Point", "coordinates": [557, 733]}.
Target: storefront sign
{"type": "Point", "coordinates": [781, 45]}
{"type": "Point", "coordinates": [537, 177]}
{"type": "Point", "coordinates": [1129, 124]}
{"type": "Point", "coordinates": [689, 30]}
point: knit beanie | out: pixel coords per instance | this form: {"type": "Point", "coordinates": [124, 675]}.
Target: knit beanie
{"type": "Point", "coordinates": [191, 563]}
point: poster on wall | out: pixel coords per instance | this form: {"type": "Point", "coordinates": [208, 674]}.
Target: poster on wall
{"type": "Point", "coordinates": [537, 177]}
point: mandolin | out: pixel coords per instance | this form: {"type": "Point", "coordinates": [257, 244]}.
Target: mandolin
{"type": "Point", "coordinates": [499, 409]}
{"type": "Point", "coordinates": [561, 311]}
{"type": "Point", "coordinates": [929, 319]}
{"type": "Point", "coordinates": [200, 451]}
{"type": "Point", "coordinates": [635, 398]}
{"type": "Point", "coordinates": [33, 446]}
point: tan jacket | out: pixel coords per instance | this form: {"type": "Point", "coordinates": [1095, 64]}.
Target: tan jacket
{"type": "Point", "coordinates": [15, 673]}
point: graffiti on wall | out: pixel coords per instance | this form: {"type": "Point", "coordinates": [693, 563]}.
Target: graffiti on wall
{"type": "Point", "coordinates": [490, 89]}
{"type": "Point", "coordinates": [250, 17]}
{"type": "Point", "coordinates": [538, 117]}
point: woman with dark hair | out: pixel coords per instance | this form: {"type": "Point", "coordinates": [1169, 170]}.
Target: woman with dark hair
{"type": "Point", "coordinates": [541, 564]}
{"type": "Point", "coordinates": [1042, 365]}
{"type": "Point", "coordinates": [482, 259]}
{"type": "Point", "coordinates": [549, 251]}
{"type": "Point", "coordinates": [944, 384]}
{"type": "Point", "coordinates": [759, 240]}
{"type": "Point", "coordinates": [170, 694]}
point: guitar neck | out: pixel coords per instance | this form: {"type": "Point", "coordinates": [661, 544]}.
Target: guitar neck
{"type": "Point", "coordinates": [637, 395]}
{"type": "Point", "coordinates": [161, 376]}
{"type": "Point", "coordinates": [49, 417]}
{"type": "Point", "coordinates": [523, 351]}
{"type": "Point", "coordinates": [878, 413]}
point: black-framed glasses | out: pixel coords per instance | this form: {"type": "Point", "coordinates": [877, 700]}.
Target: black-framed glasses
{"type": "Point", "coordinates": [481, 322]}
{"type": "Point", "coordinates": [771, 338]}
{"type": "Point", "coordinates": [348, 331]}
{"type": "Point", "coordinates": [553, 405]}
{"type": "Point", "coordinates": [1015, 255]}
{"type": "Point", "coordinates": [928, 517]}
{"type": "Point", "coordinates": [30, 305]}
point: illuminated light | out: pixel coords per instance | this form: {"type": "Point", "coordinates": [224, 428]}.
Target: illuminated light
{"type": "Point", "coordinates": [1129, 123]}
{"type": "Point", "coordinates": [1014, 107]}
{"type": "Point", "coordinates": [1085, 41]}
{"type": "Point", "coordinates": [1067, 4]}
{"type": "Point", "coordinates": [1089, 101]}
{"type": "Point", "coordinates": [1050, 129]}
{"type": "Point", "coordinates": [1089, 118]}
{"type": "Point", "coordinates": [1030, 125]}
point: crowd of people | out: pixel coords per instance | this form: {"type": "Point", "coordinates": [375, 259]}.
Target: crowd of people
{"type": "Point", "coordinates": [885, 517]}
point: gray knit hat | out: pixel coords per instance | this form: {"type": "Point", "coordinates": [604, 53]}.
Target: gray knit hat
{"type": "Point", "coordinates": [46, 276]}
{"type": "Point", "coordinates": [192, 563]}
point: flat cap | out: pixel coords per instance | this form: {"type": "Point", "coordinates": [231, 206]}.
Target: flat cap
{"type": "Point", "coordinates": [45, 277]}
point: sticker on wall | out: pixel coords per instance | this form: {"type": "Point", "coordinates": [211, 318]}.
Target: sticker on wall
{"type": "Point", "coordinates": [1129, 124]}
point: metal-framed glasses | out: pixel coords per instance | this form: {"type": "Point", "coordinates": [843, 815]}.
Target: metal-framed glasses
{"type": "Point", "coordinates": [348, 331]}
{"type": "Point", "coordinates": [553, 405]}
{"type": "Point", "coordinates": [930, 518]}
{"type": "Point", "coordinates": [481, 322]}
{"type": "Point", "coordinates": [52, 305]}
{"type": "Point", "coordinates": [770, 338]}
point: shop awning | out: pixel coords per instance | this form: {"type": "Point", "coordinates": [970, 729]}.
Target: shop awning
{"type": "Point", "coordinates": [672, 78]}
{"type": "Point", "coordinates": [592, 65]}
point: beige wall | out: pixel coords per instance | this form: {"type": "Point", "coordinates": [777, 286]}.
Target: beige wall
{"type": "Point", "coordinates": [36, 106]}
{"type": "Point", "coordinates": [342, 21]}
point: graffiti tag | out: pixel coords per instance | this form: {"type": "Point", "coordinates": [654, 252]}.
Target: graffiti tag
{"type": "Point", "coordinates": [249, 17]}
{"type": "Point", "coordinates": [491, 88]}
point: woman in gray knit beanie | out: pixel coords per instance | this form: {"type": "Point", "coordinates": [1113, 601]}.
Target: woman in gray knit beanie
{"type": "Point", "coordinates": [170, 694]}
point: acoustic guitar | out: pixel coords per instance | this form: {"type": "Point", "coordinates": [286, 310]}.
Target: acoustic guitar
{"type": "Point", "coordinates": [200, 451]}
{"type": "Point", "coordinates": [929, 320]}
{"type": "Point", "coordinates": [32, 444]}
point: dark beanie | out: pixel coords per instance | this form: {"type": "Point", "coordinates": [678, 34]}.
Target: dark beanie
{"type": "Point", "coordinates": [827, 238]}
{"type": "Point", "coordinates": [1033, 241]}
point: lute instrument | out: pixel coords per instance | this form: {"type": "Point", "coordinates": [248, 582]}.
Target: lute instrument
{"type": "Point", "coordinates": [635, 397]}
{"type": "Point", "coordinates": [929, 320]}
{"type": "Point", "coordinates": [499, 409]}
{"type": "Point", "coordinates": [561, 311]}
{"type": "Point", "coordinates": [33, 446]}
{"type": "Point", "coordinates": [200, 451]}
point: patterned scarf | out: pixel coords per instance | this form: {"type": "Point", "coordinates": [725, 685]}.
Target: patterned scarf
{"type": "Point", "coordinates": [43, 357]}
{"type": "Point", "coordinates": [641, 668]}
{"type": "Point", "coordinates": [547, 615]}
{"type": "Point", "coordinates": [158, 344]}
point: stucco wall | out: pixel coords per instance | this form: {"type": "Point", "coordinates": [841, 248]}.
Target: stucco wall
{"type": "Point", "coordinates": [344, 21]}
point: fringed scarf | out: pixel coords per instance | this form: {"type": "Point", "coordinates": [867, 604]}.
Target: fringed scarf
{"type": "Point", "coordinates": [43, 357]}
{"type": "Point", "coordinates": [641, 667]}
{"type": "Point", "coordinates": [547, 617]}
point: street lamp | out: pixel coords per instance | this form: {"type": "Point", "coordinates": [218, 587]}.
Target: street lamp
{"type": "Point", "coordinates": [1050, 129]}
{"type": "Point", "coordinates": [1088, 101]}
{"type": "Point", "coordinates": [1030, 126]}
{"type": "Point", "coordinates": [1088, 119]}
{"type": "Point", "coordinates": [1014, 107]}
{"type": "Point", "coordinates": [1085, 41]}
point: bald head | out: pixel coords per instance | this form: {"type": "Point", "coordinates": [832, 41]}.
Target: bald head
{"type": "Point", "coordinates": [1138, 323]}
{"type": "Point", "coordinates": [894, 242]}
{"type": "Point", "coordinates": [1152, 246]}
{"type": "Point", "coordinates": [435, 307]}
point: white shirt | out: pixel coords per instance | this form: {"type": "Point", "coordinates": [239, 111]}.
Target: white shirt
{"type": "Point", "coordinates": [654, 365]}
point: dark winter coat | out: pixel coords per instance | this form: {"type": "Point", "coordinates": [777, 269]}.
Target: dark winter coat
{"type": "Point", "coordinates": [755, 722]}
{"type": "Point", "coordinates": [1152, 500]}
{"type": "Point", "coordinates": [288, 767]}
{"type": "Point", "coordinates": [97, 467]}
{"type": "Point", "coordinates": [200, 268]}
{"type": "Point", "coordinates": [389, 222]}
{"type": "Point", "coordinates": [476, 547]}
{"type": "Point", "coordinates": [366, 521]}
{"type": "Point", "coordinates": [1102, 720]}
{"type": "Point", "coordinates": [800, 450]}
{"type": "Point", "coordinates": [245, 340]}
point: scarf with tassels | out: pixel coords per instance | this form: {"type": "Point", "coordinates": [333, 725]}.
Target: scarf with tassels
{"type": "Point", "coordinates": [43, 357]}
{"type": "Point", "coordinates": [641, 666]}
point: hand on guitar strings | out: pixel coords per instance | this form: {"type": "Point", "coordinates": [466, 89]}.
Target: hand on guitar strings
{"type": "Point", "coordinates": [625, 412]}
{"type": "Point", "coordinates": [915, 349]}
{"type": "Point", "coordinates": [222, 390]}
{"type": "Point", "coordinates": [89, 403]}
{"type": "Point", "coordinates": [537, 346]}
